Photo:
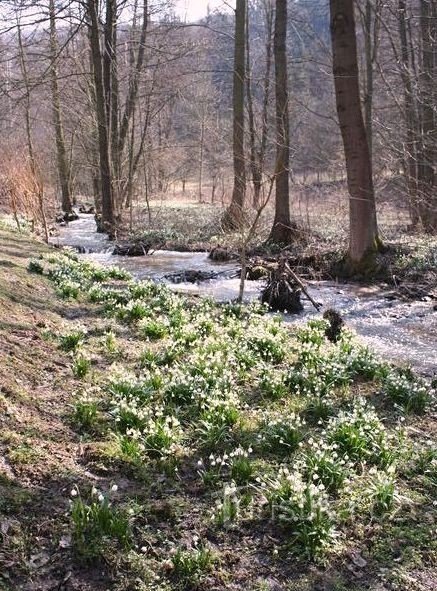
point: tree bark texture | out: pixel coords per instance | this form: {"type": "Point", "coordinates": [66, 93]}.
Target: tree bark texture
{"type": "Point", "coordinates": [282, 231]}
{"type": "Point", "coordinates": [234, 215]}
{"type": "Point", "coordinates": [363, 240]}
{"type": "Point", "coordinates": [102, 121]}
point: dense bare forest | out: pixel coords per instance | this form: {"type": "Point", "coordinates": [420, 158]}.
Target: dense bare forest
{"type": "Point", "coordinates": [218, 295]}
{"type": "Point", "coordinates": [122, 104]}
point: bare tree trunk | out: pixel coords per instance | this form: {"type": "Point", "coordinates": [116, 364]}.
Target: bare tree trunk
{"type": "Point", "coordinates": [362, 211]}
{"type": "Point", "coordinates": [410, 117]}
{"type": "Point", "coordinates": [234, 215]}
{"type": "Point", "coordinates": [426, 184]}
{"type": "Point", "coordinates": [254, 164]}
{"type": "Point", "coordinates": [61, 152]}
{"type": "Point", "coordinates": [102, 126]}
{"type": "Point", "coordinates": [282, 231]}
{"type": "Point", "coordinates": [368, 97]}
{"type": "Point", "coordinates": [201, 149]}
{"type": "Point", "coordinates": [110, 84]}
{"type": "Point", "coordinates": [133, 83]}
{"type": "Point", "coordinates": [268, 6]}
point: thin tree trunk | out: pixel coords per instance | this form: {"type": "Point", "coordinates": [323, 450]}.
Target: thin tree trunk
{"type": "Point", "coordinates": [427, 196]}
{"type": "Point", "coordinates": [410, 117]}
{"type": "Point", "coordinates": [234, 215]}
{"type": "Point", "coordinates": [133, 84]}
{"type": "Point", "coordinates": [254, 164]}
{"type": "Point", "coordinates": [61, 152]}
{"type": "Point", "coordinates": [110, 83]}
{"type": "Point", "coordinates": [201, 149]}
{"type": "Point", "coordinates": [362, 211]}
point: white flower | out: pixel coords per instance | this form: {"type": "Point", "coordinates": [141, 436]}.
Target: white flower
{"type": "Point", "coordinates": [73, 492]}
{"type": "Point", "coordinates": [114, 488]}
{"type": "Point", "coordinates": [101, 498]}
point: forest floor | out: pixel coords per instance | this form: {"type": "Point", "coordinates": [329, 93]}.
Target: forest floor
{"type": "Point", "coordinates": [307, 466]}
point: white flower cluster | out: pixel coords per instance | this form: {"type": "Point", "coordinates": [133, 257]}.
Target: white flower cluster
{"type": "Point", "coordinates": [359, 433]}
{"type": "Point", "coordinates": [225, 461]}
{"type": "Point", "coordinates": [292, 498]}
{"type": "Point", "coordinates": [159, 436]}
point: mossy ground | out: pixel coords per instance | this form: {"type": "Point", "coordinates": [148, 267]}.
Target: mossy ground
{"type": "Point", "coordinates": [43, 454]}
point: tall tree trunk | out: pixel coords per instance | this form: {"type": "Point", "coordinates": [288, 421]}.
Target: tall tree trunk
{"type": "Point", "coordinates": [234, 215]}
{"type": "Point", "coordinates": [268, 8]}
{"type": "Point", "coordinates": [110, 83]}
{"type": "Point", "coordinates": [426, 184]}
{"type": "Point", "coordinates": [362, 211]}
{"type": "Point", "coordinates": [368, 97]}
{"type": "Point", "coordinates": [61, 152]}
{"type": "Point", "coordinates": [102, 122]}
{"type": "Point", "coordinates": [254, 164]}
{"type": "Point", "coordinates": [282, 231]}
{"type": "Point", "coordinates": [410, 148]}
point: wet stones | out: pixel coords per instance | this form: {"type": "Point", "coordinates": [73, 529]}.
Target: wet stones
{"type": "Point", "coordinates": [191, 276]}
{"type": "Point", "coordinates": [221, 254]}
{"type": "Point", "coordinates": [89, 210]}
{"type": "Point", "coordinates": [257, 272]}
{"type": "Point", "coordinates": [137, 248]}
{"type": "Point", "coordinates": [65, 217]}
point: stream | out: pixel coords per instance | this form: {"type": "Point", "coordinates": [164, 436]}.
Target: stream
{"type": "Point", "coordinates": [402, 331]}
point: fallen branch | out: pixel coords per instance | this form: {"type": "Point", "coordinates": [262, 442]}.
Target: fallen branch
{"type": "Point", "coordinates": [316, 305]}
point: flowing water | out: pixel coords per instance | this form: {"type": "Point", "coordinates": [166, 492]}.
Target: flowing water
{"type": "Point", "coordinates": [403, 331]}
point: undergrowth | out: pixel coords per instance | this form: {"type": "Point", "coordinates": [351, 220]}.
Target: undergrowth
{"type": "Point", "coordinates": [266, 423]}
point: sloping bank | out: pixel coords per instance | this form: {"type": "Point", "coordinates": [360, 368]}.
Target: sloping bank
{"type": "Point", "coordinates": [218, 448]}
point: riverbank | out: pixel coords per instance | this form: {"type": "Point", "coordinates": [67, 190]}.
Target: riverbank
{"type": "Point", "coordinates": [186, 416]}
{"type": "Point", "coordinates": [408, 265]}
{"type": "Point", "coordinates": [404, 329]}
